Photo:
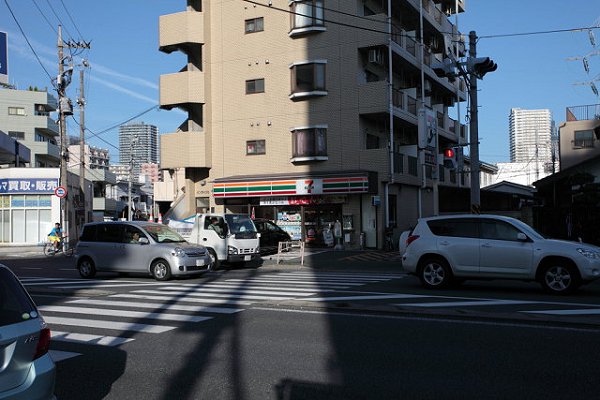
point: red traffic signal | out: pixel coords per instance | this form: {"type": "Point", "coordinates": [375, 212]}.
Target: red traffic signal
{"type": "Point", "coordinates": [449, 153]}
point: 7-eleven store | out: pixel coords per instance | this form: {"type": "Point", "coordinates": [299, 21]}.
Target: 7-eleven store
{"type": "Point", "coordinates": [305, 206]}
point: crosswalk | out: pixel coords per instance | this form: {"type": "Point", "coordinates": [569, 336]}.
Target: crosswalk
{"type": "Point", "coordinates": [77, 283]}
{"type": "Point", "coordinates": [154, 308]}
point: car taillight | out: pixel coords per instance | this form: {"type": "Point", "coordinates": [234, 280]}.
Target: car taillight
{"type": "Point", "coordinates": [411, 239]}
{"type": "Point", "coordinates": [43, 344]}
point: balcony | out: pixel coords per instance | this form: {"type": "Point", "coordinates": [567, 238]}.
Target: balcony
{"type": "Point", "coordinates": [185, 150]}
{"type": "Point", "coordinates": [164, 191]}
{"type": "Point", "coordinates": [180, 30]}
{"type": "Point", "coordinates": [373, 99]}
{"type": "Point", "coordinates": [47, 149]}
{"type": "Point", "coordinates": [182, 88]}
{"type": "Point", "coordinates": [46, 125]}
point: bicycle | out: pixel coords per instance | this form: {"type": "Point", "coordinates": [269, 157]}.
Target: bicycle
{"type": "Point", "coordinates": [389, 244]}
{"type": "Point", "coordinates": [64, 246]}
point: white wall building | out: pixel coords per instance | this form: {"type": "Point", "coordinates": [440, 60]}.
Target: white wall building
{"type": "Point", "coordinates": [530, 135]}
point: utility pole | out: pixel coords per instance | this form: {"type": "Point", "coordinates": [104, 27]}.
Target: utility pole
{"type": "Point", "coordinates": [474, 129]}
{"type": "Point", "coordinates": [61, 88]}
{"type": "Point", "coordinates": [129, 205]}
{"type": "Point", "coordinates": [81, 102]}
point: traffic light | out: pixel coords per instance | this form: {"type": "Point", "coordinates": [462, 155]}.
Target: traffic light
{"type": "Point", "coordinates": [480, 66]}
{"type": "Point", "coordinates": [450, 158]}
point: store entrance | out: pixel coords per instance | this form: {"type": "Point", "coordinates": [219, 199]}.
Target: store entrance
{"type": "Point", "coordinates": [319, 219]}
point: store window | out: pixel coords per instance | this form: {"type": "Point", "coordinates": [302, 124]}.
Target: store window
{"type": "Point", "coordinates": [255, 86]}
{"type": "Point", "coordinates": [306, 16]}
{"type": "Point", "coordinates": [309, 143]}
{"type": "Point", "coordinates": [254, 25]}
{"type": "Point", "coordinates": [308, 79]}
{"type": "Point", "coordinates": [255, 147]}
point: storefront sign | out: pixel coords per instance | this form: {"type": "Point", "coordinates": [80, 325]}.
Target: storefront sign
{"type": "Point", "coordinates": [28, 185]}
{"type": "Point", "coordinates": [301, 200]}
{"type": "Point", "coordinates": [309, 187]}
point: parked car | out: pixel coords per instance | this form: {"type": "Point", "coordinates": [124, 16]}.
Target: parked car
{"type": "Point", "coordinates": [138, 246]}
{"type": "Point", "coordinates": [402, 241]}
{"type": "Point", "coordinates": [442, 250]}
{"type": "Point", "coordinates": [270, 235]}
{"type": "Point", "coordinates": [27, 371]}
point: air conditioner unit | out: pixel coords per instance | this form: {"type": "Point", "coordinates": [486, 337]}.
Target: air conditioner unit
{"type": "Point", "coordinates": [376, 56]}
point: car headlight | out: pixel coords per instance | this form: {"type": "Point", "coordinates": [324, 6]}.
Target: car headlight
{"type": "Point", "coordinates": [232, 250]}
{"type": "Point", "coordinates": [589, 253]}
{"type": "Point", "coordinates": [178, 252]}
{"type": "Point", "coordinates": [257, 250]}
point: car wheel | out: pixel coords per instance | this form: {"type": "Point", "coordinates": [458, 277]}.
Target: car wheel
{"type": "Point", "coordinates": [558, 277]}
{"type": "Point", "coordinates": [161, 270]}
{"type": "Point", "coordinates": [435, 273]}
{"type": "Point", "coordinates": [214, 260]}
{"type": "Point", "coordinates": [86, 267]}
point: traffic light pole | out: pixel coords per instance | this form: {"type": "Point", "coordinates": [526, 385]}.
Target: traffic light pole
{"type": "Point", "coordinates": [474, 130]}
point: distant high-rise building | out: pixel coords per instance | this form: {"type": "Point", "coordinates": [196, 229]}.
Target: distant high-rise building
{"type": "Point", "coordinates": [144, 148]}
{"type": "Point", "coordinates": [530, 135]}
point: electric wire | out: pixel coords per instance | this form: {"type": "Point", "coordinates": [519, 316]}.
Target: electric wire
{"type": "Point", "coordinates": [59, 20]}
{"type": "Point", "coordinates": [29, 43]}
{"type": "Point", "coordinates": [71, 18]}
{"type": "Point", "coordinates": [44, 16]}
{"type": "Point", "coordinates": [580, 29]}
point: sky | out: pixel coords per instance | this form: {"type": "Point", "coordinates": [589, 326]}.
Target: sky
{"type": "Point", "coordinates": [125, 65]}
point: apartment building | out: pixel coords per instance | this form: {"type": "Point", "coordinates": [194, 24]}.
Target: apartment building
{"type": "Point", "coordinates": [138, 144]}
{"type": "Point", "coordinates": [307, 112]}
{"type": "Point", "coordinates": [25, 115]}
{"type": "Point", "coordinates": [530, 135]}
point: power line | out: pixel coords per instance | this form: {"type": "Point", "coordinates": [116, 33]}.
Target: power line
{"type": "Point", "coordinates": [59, 20]}
{"type": "Point", "coordinates": [71, 18]}
{"type": "Point", "coordinates": [30, 46]}
{"type": "Point", "coordinates": [581, 29]}
{"type": "Point", "coordinates": [45, 18]}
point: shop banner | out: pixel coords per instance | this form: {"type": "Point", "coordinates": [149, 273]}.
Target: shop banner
{"type": "Point", "coordinates": [27, 186]}
{"type": "Point", "coordinates": [301, 200]}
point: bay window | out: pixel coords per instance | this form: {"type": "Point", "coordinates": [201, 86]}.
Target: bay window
{"type": "Point", "coordinates": [306, 16]}
{"type": "Point", "coordinates": [308, 79]}
{"type": "Point", "coordinates": [309, 143]}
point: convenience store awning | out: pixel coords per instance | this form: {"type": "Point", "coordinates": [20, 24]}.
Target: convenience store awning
{"type": "Point", "coordinates": [342, 182]}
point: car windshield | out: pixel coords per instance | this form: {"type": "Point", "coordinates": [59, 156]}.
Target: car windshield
{"type": "Point", "coordinates": [163, 234]}
{"type": "Point", "coordinates": [239, 224]}
{"type": "Point", "coordinates": [15, 304]}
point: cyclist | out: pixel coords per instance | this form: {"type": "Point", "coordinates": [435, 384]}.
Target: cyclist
{"type": "Point", "coordinates": [55, 236]}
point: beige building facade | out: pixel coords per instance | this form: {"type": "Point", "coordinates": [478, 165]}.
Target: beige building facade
{"type": "Point", "coordinates": [292, 117]}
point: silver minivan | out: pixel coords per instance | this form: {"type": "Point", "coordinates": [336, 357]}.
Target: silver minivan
{"type": "Point", "coordinates": [138, 246]}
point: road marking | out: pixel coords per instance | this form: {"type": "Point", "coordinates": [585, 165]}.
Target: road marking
{"type": "Point", "coordinates": [228, 296]}
{"type": "Point", "coordinates": [593, 311]}
{"type": "Point", "coordinates": [174, 307]}
{"type": "Point", "coordinates": [119, 326]}
{"type": "Point", "coordinates": [111, 341]}
{"type": "Point", "coordinates": [240, 290]}
{"type": "Point", "coordinates": [123, 313]}
{"type": "Point", "coordinates": [58, 356]}
{"type": "Point", "coordinates": [292, 280]}
{"type": "Point", "coordinates": [465, 303]}
{"type": "Point", "coordinates": [29, 268]}
{"type": "Point", "coordinates": [232, 285]}
{"type": "Point", "coordinates": [182, 298]}
{"type": "Point", "coordinates": [319, 278]}
{"type": "Point", "coordinates": [78, 285]}
{"type": "Point", "coordinates": [278, 281]}
{"type": "Point", "coordinates": [378, 297]}
{"type": "Point", "coordinates": [346, 275]}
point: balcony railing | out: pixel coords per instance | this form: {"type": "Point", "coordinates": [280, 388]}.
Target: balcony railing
{"type": "Point", "coordinates": [583, 113]}
{"type": "Point", "coordinates": [412, 166]}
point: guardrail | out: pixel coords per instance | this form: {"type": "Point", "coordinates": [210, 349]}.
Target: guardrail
{"type": "Point", "coordinates": [291, 247]}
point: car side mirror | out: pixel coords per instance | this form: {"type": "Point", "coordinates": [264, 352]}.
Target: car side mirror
{"type": "Point", "coordinates": [144, 241]}
{"type": "Point", "coordinates": [521, 237]}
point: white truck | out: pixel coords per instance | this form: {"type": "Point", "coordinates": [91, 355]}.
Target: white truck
{"type": "Point", "coordinates": [230, 238]}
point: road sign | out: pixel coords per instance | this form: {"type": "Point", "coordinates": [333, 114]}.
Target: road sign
{"type": "Point", "coordinates": [61, 192]}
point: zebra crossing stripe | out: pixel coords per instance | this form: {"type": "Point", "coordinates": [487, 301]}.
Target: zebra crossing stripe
{"type": "Point", "coordinates": [233, 285]}
{"type": "Point", "coordinates": [118, 326]}
{"type": "Point", "coordinates": [110, 341]}
{"type": "Point", "coordinates": [374, 297]}
{"type": "Point", "coordinates": [465, 303]}
{"type": "Point", "coordinates": [174, 307]}
{"type": "Point", "coordinates": [293, 282]}
{"type": "Point", "coordinates": [181, 298]}
{"type": "Point", "coordinates": [240, 290]}
{"type": "Point", "coordinates": [346, 275]}
{"type": "Point", "coordinates": [122, 313]}
{"type": "Point", "coordinates": [323, 279]}
{"type": "Point", "coordinates": [79, 285]}
{"type": "Point", "coordinates": [221, 295]}
{"type": "Point", "coordinates": [591, 311]}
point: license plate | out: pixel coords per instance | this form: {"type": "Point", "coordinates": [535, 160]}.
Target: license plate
{"type": "Point", "coordinates": [199, 263]}
{"type": "Point", "coordinates": [247, 258]}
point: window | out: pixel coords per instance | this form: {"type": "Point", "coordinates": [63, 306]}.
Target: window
{"type": "Point", "coordinates": [254, 25]}
{"type": "Point", "coordinates": [16, 306]}
{"type": "Point", "coordinates": [584, 139]}
{"type": "Point", "coordinates": [111, 233]}
{"type": "Point", "coordinates": [255, 147]}
{"type": "Point", "coordinates": [16, 135]}
{"type": "Point", "coordinates": [306, 16]}
{"type": "Point", "coordinates": [308, 79]}
{"type": "Point", "coordinates": [372, 141]}
{"type": "Point", "coordinates": [16, 111]}
{"type": "Point", "coordinates": [309, 144]}
{"type": "Point", "coordinates": [498, 230]}
{"type": "Point", "coordinates": [255, 86]}
{"type": "Point", "coordinates": [456, 227]}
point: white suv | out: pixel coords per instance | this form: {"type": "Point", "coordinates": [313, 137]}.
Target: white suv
{"type": "Point", "coordinates": [441, 250]}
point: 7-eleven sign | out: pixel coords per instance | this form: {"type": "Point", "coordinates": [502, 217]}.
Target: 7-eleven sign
{"type": "Point", "coordinates": [309, 186]}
